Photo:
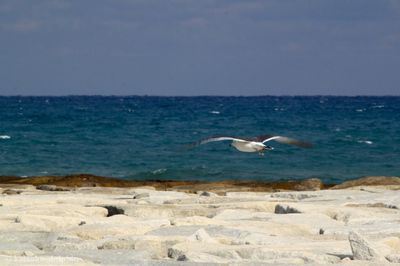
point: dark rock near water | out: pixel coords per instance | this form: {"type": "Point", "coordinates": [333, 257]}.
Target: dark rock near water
{"type": "Point", "coordinates": [309, 184]}
{"type": "Point", "coordinates": [218, 187]}
{"type": "Point", "coordinates": [370, 181]}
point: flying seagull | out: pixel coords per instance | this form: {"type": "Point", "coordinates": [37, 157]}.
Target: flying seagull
{"type": "Point", "coordinates": [256, 144]}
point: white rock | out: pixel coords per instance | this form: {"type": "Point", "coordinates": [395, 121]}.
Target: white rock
{"type": "Point", "coordinates": [293, 195]}
{"type": "Point", "coordinates": [118, 244]}
{"type": "Point", "coordinates": [202, 236]}
{"type": "Point", "coordinates": [46, 223]}
{"type": "Point", "coordinates": [394, 258]}
{"type": "Point", "coordinates": [237, 229]}
{"type": "Point", "coordinates": [43, 261]}
{"type": "Point", "coordinates": [361, 249]}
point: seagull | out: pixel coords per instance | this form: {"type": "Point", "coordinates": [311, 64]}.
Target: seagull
{"type": "Point", "coordinates": [256, 144]}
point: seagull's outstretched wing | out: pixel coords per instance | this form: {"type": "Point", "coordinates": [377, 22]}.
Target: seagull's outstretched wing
{"type": "Point", "coordinates": [211, 139]}
{"type": "Point", "coordinates": [220, 138]}
{"type": "Point", "coordinates": [285, 140]}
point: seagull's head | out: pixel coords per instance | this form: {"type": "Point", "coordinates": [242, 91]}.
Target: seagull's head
{"type": "Point", "coordinates": [268, 148]}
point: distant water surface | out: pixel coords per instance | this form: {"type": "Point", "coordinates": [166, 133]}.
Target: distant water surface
{"type": "Point", "coordinates": [142, 137]}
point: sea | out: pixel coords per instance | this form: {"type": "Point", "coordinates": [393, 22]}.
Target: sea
{"type": "Point", "coordinates": [147, 138]}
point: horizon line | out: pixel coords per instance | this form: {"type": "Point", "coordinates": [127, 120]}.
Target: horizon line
{"type": "Point", "coordinates": [194, 96]}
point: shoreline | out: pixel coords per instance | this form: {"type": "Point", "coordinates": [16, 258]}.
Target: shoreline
{"type": "Point", "coordinates": [88, 180]}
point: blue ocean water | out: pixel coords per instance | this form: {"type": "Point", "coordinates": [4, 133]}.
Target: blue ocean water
{"type": "Point", "coordinates": [144, 137]}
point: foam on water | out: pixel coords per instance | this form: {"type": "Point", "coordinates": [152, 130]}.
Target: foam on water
{"type": "Point", "coordinates": [159, 171]}
{"type": "Point", "coordinates": [365, 141]}
{"type": "Point", "coordinates": [5, 137]}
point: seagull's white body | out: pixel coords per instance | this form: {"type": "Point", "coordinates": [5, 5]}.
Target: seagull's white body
{"type": "Point", "coordinates": [249, 146]}
{"type": "Point", "coordinates": [256, 144]}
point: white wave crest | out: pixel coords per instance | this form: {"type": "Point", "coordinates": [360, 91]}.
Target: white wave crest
{"type": "Point", "coordinates": [159, 171]}
{"type": "Point", "coordinates": [365, 141]}
{"type": "Point", "coordinates": [215, 112]}
{"type": "Point", "coordinates": [5, 137]}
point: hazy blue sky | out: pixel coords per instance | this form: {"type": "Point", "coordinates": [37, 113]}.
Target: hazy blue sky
{"type": "Point", "coordinates": [200, 47]}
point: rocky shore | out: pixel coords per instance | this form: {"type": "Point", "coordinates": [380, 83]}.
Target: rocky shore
{"type": "Point", "coordinates": [87, 180]}
{"type": "Point", "coordinates": [90, 220]}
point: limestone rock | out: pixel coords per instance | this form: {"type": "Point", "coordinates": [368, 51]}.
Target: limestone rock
{"type": "Point", "coordinates": [393, 243]}
{"type": "Point", "coordinates": [235, 214]}
{"type": "Point", "coordinates": [240, 228]}
{"type": "Point", "coordinates": [46, 223]}
{"type": "Point", "coordinates": [394, 258]}
{"type": "Point", "coordinates": [107, 256]}
{"type": "Point", "coordinates": [156, 248]}
{"type": "Point", "coordinates": [118, 244]}
{"type": "Point", "coordinates": [202, 236]}
{"type": "Point", "coordinates": [196, 220]}
{"type": "Point", "coordinates": [293, 195]}
{"type": "Point", "coordinates": [18, 249]}
{"type": "Point", "coordinates": [141, 195]}
{"type": "Point", "coordinates": [168, 211]}
{"type": "Point", "coordinates": [361, 249]}
{"type": "Point", "coordinates": [175, 231]}
{"type": "Point", "coordinates": [43, 261]}
{"type": "Point", "coordinates": [114, 226]}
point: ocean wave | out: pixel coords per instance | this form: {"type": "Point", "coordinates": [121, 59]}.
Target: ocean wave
{"type": "Point", "coordinates": [215, 112]}
{"type": "Point", "coordinates": [5, 137]}
{"type": "Point", "coordinates": [365, 141]}
{"type": "Point", "coordinates": [159, 171]}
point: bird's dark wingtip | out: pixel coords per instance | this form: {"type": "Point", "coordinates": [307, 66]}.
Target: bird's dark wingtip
{"type": "Point", "coordinates": [306, 145]}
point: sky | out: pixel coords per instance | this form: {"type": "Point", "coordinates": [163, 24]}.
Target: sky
{"type": "Point", "coordinates": [200, 47]}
